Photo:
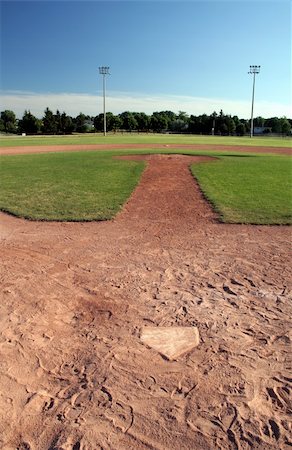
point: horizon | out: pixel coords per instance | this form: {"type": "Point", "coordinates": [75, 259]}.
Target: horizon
{"type": "Point", "coordinates": [73, 116]}
{"type": "Point", "coordinates": [75, 102]}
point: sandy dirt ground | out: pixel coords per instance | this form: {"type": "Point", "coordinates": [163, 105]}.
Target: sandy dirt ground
{"type": "Point", "coordinates": [92, 147]}
{"type": "Point", "coordinates": [74, 373]}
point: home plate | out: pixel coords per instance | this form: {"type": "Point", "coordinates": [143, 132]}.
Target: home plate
{"type": "Point", "coordinates": [171, 342]}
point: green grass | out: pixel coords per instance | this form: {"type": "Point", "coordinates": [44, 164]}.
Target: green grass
{"type": "Point", "coordinates": [249, 189]}
{"type": "Point", "coordinates": [68, 187]}
{"type": "Point", "coordinates": [244, 188]}
{"type": "Point", "coordinates": [135, 138]}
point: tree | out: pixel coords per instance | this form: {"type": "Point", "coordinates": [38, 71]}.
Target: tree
{"type": "Point", "coordinates": [285, 125]}
{"type": "Point", "coordinates": [81, 123]}
{"type": "Point", "coordinates": [259, 121]}
{"type": "Point", "coordinates": [112, 122]}
{"type": "Point", "coordinates": [98, 122]}
{"type": "Point", "coordinates": [206, 124]}
{"type": "Point", "coordinates": [246, 123]}
{"type": "Point", "coordinates": [66, 124]}
{"type": "Point", "coordinates": [49, 122]}
{"type": "Point", "coordinates": [129, 122]}
{"type": "Point", "coordinates": [230, 125]}
{"type": "Point", "coordinates": [178, 125]}
{"type": "Point", "coordinates": [225, 124]}
{"type": "Point", "coordinates": [240, 129]}
{"type": "Point", "coordinates": [169, 115]}
{"type": "Point", "coordinates": [223, 129]}
{"type": "Point", "coordinates": [58, 122]}
{"type": "Point", "coordinates": [2, 128]}
{"type": "Point", "coordinates": [213, 122]}
{"type": "Point", "coordinates": [143, 121]}
{"type": "Point", "coordinates": [236, 120]}
{"type": "Point", "coordinates": [8, 121]}
{"type": "Point", "coordinates": [182, 115]}
{"type": "Point", "coordinates": [117, 123]}
{"type": "Point", "coordinates": [275, 124]}
{"type": "Point", "coordinates": [194, 125]}
{"type": "Point", "coordinates": [158, 121]}
{"type": "Point", "coordinates": [29, 124]}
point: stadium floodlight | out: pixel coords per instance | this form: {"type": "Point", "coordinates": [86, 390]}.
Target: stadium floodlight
{"type": "Point", "coordinates": [104, 70]}
{"type": "Point", "coordinates": [253, 70]}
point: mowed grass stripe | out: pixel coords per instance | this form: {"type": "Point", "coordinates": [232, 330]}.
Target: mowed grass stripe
{"type": "Point", "coordinates": [248, 189]}
{"type": "Point", "coordinates": [67, 187]}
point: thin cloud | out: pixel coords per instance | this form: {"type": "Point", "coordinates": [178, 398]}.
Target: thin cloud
{"type": "Point", "coordinates": [117, 102]}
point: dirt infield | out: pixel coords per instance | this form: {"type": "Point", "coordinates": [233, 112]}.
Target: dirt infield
{"type": "Point", "coordinates": [74, 371]}
{"type": "Point", "coordinates": [77, 148]}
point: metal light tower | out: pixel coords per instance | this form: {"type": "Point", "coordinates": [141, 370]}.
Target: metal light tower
{"type": "Point", "coordinates": [253, 70]}
{"type": "Point", "coordinates": [104, 70]}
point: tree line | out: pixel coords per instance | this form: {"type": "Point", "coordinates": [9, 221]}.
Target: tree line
{"type": "Point", "coordinates": [159, 122]}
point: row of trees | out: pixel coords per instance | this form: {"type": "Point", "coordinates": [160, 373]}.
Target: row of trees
{"type": "Point", "coordinates": [50, 123]}
{"type": "Point", "coordinates": [220, 124]}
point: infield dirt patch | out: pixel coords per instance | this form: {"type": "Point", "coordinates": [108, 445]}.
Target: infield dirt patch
{"type": "Point", "coordinates": [74, 371]}
{"type": "Point", "coordinates": [92, 147]}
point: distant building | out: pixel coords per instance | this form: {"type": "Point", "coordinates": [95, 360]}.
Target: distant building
{"type": "Point", "coordinates": [261, 130]}
{"type": "Point", "coordinates": [89, 125]}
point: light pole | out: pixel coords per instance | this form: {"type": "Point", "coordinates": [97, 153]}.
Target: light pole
{"type": "Point", "coordinates": [253, 70]}
{"type": "Point", "coordinates": [104, 70]}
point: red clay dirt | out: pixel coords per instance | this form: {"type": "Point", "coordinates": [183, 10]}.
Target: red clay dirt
{"type": "Point", "coordinates": [93, 147]}
{"type": "Point", "coordinates": [76, 296]}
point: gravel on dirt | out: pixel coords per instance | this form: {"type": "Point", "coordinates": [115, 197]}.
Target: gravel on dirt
{"type": "Point", "coordinates": [75, 373]}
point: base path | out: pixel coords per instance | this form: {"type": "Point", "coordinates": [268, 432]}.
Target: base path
{"type": "Point", "coordinates": [92, 147]}
{"type": "Point", "coordinates": [77, 297]}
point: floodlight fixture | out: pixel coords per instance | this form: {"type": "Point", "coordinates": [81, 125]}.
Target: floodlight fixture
{"type": "Point", "coordinates": [253, 70]}
{"type": "Point", "coordinates": [104, 70]}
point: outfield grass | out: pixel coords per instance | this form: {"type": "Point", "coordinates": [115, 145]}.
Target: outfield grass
{"type": "Point", "coordinates": [244, 188]}
{"type": "Point", "coordinates": [143, 139]}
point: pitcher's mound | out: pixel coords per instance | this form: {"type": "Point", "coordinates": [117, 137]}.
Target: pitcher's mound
{"type": "Point", "coordinates": [171, 342]}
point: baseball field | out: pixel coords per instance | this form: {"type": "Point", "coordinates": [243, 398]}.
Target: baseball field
{"type": "Point", "coordinates": [104, 239]}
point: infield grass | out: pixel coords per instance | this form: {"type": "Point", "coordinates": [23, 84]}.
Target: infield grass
{"type": "Point", "coordinates": [243, 188]}
{"type": "Point", "coordinates": [248, 189]}
{"type": "Point", "coordinates": [67, 187]}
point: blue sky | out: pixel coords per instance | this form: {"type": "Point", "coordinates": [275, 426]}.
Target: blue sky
{"type": "Point", "coordinates": [180, 55]}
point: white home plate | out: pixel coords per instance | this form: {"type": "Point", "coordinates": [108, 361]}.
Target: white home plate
{"type": "Point", "coordinates": [171, 341]}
